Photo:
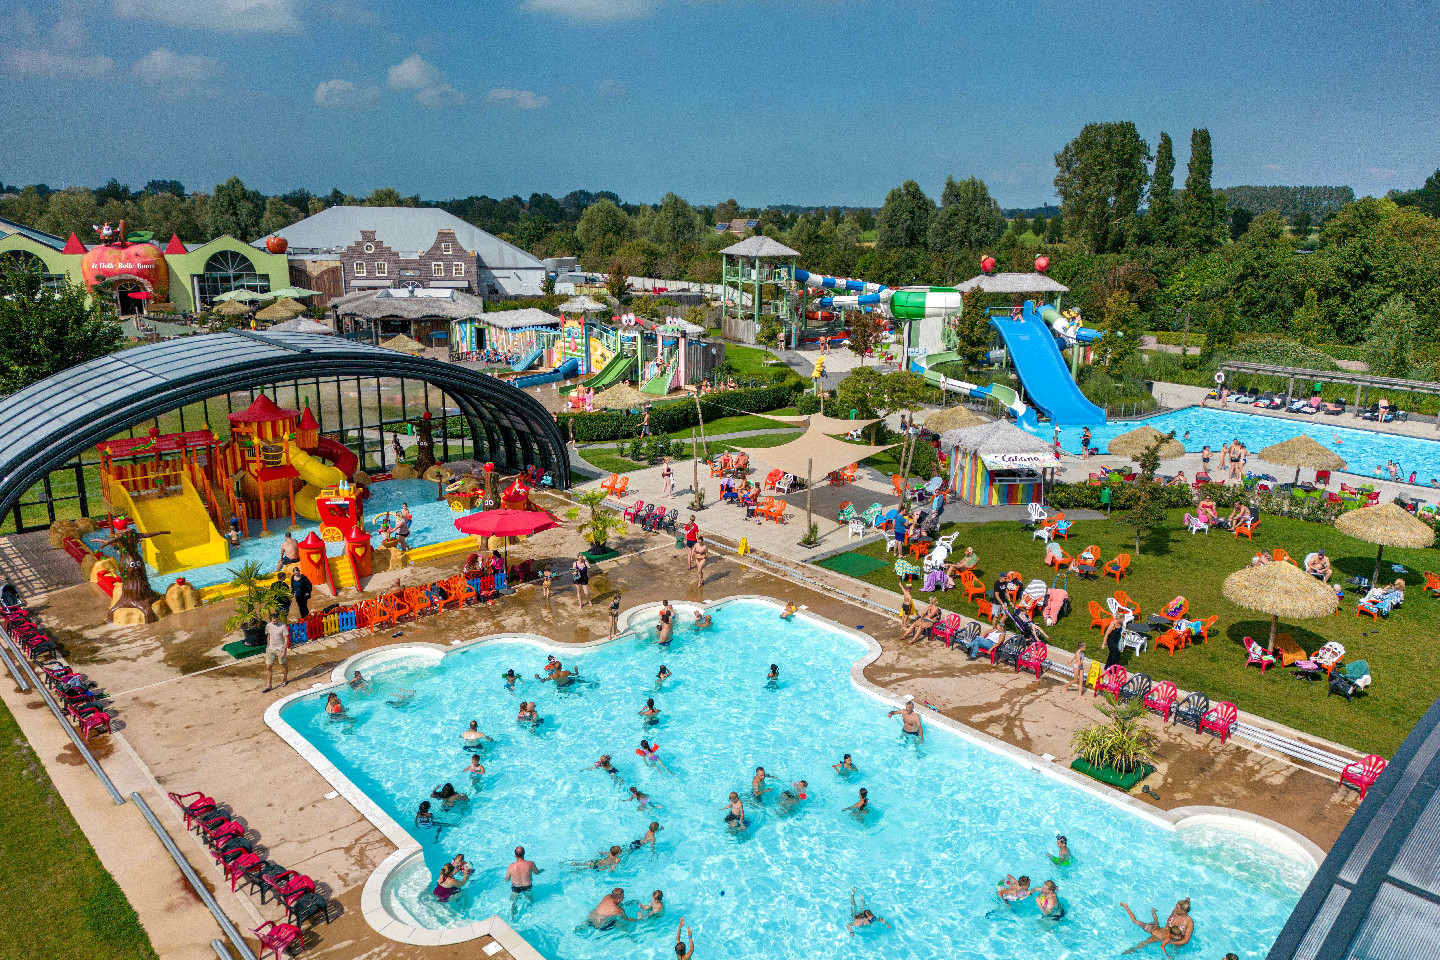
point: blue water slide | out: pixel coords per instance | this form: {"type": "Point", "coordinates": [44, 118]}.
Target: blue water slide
{"type": "Point", "coordinates": [527, 361]}
{"type": "Point", "coordinates": [570, 368]}
{"type": "Point", "coordinates": [1042, 370]}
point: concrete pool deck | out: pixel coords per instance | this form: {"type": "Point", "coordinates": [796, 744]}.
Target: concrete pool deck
{"type": "Point", "coordinates": [194, 720]}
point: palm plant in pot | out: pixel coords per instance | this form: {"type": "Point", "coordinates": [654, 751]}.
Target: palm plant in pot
{"type": "Point", "coordinates": [254, 607]}
{"type": "Point", "coordinates": [1118, 752]}
{"type": "Point", "coordinates": [602, 523]}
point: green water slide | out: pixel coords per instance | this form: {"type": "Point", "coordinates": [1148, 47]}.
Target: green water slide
{"type": "Point", "coordinates": [610, 374]}
{"type": "Point", "coordinates": [659, 385]}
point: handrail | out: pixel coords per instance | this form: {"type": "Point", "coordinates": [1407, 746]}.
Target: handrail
{"type": "Point", "coordinates": [19, 677]}
{"type": "Point", "coordinates": [201, 890]}
{"type": "Point", "coordinates": [221, 953]}
{"type": "Point", "coordinates": [55, 709]}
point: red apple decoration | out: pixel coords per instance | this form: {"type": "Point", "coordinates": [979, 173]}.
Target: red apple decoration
{"type": "Point", "coordinates": [987, 264]}
{"type": "Point", "coordinates": [1042, 263]}
{"type": "Point", "coordinates": [143, 261]}
{"type": "Point", "coordinates": [277, 244]}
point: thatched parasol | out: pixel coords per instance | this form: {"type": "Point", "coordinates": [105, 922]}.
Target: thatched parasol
{"type": "Point", "coordinates": [621, 397]}
{"type": "Point", "coordinates": [1388, 525]}
{"type": "Point", "coordinates": [230, 308]}
{"type": "Point", "coordinates": [1303, 452]}
{"type": "Point", "coordinates": [1281, 590]}
{"type": "Point", "coordinates": [953, 418]}
{"type": "Point", "coordinates": [1137, 441]}
{"type": "Point", "coordinates": [280, 310]}
{"type": "Point", "coordinates": [403, 344]}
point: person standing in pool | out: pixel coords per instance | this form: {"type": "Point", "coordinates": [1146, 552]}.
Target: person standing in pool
{"type": "Point", "coordinates": [735, 817]}
{"type": "Point", "coordinates": [772, 679]}
{"type": "Point", "coordinates": [608, 911]}
{"type": "Point", "coordinates": [510, 677]}
{"type": "Point", "coordinates": [790, 799]}
{"type": "Point", "coordinates": [861, 915]}
{"type": "Point", "coordinates": [654, 908]}
{"type": "Point", "coordinates": [476, 768]}
{"type": "Point", "coordinates": [561, 677]}
{"type": "Point", "coordinates": [863, 804]}
{"type": "Point", "coordinates": [845, 767]}
{"type": "Point", "coordinates": [1048, 900]}
{"type": "Point", "coordinates": [681, 952]}
{"type": "Point", "coordinates": [449, 884]}
{"type": "Point", "coordinates": [520, 874]}
{"type": "Point", "coordinates": [757, 783]}
{"type": "Point", "coordinates": [665, 626]}
{"type": "Point", "coordinates": [662, 676]}
{"type": "Point", "coordinates": [1061, 856]}
{"type": "Point", "coordinates": [910, 720]}
{"type": "Point", "coordinates": [651, 713]}
{"type": "Point", "coordinates": [475, 738]}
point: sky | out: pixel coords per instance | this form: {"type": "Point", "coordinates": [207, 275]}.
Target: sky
{"type": "Point", "coordinates": [828, 102]}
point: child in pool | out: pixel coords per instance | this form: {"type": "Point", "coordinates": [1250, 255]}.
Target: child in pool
{"type": "Point", "coordinates": [476, 768]}
{"type": "Point", "coordinates": [643, 799]}
{"type": "Point", "coordinates": [772, 679]}
{"type": "Point", "coordinates": [511, 678]}
{"type": "Point", "coordinates": [845, 767]}
{"type": "Point", "coordinates": [862, 916]}
{"type": "Point", "coordinates": [789, 611]}
{"type": "Point", "coordinates": [735, 817]}
{"type": "Point", "coordinates": [1061, 856]}
{"type": "Point", "coordinates": [1012, 889]}
{"type": "Point", "coordinates": [662, 676]}
{"type": "Point", "coordinates": [651, 713]}
{"type": "Point", "coordinates": [334, 707]}
{"type": "Point", "coordinates": [604, 764]}
{"type": "Point", "coordinates": [860, 807]}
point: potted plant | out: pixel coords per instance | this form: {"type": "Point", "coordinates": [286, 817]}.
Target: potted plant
{"type": "Point", "coordinates": [262, 598]}
{"type": "Point", "coordinates": [601, 525]}
{"type": "Point", "coordinates": [1118, 752]}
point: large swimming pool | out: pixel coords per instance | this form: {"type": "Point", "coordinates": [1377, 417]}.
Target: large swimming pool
{"type": "Point", "coordinates": [949, 817]}
{"type": "Point", "coordinates": [1363, 450]}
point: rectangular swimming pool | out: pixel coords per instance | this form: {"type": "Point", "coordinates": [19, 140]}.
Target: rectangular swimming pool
{"type": "Point", "coordinates": [948, 818]}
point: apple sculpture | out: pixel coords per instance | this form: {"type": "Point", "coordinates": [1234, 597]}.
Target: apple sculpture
{"type": "Point", "coordinates": [143, 261]}
{"type": "Point", "coordinates": [987, 264]}
{"type": "Point", "coordinates": [1042, 263]}
{"type": "Point", "coordinates": [277, 244]}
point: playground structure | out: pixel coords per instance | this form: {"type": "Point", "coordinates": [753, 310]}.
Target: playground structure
{"type": "Point", "coordinates": [1032, 337]}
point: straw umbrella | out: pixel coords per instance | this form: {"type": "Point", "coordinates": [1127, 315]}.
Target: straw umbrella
{"type": "Point", "coordinates": [1387, 525]}
{"type": "Point", "coordinates": [231, 308]}
{"type": "Point", "coordinates": [621, 397]}
{"type": "Point", "coordinates": [1281, 590]}
{"type": "Point", "coordinates": [1303, 452]}
{"type": "Point", "coordinates": [952, 418]}
{"type": "Point", "coordinates": [1137, 441]}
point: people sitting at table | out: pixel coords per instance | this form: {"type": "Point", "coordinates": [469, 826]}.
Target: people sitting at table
{"type": "Point", "coordinates": [1207, 511]}
{"type": "Point", "coordinates": [1318, 566]}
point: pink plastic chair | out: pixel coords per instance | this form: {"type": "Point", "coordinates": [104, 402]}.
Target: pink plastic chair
{"type": "Point", "coordinates": [1112, 680]}
{"type": "Point", "coordinates": [1220, 719]}
{"type": "Point", "coordinates": [1161, 699]}
{"type": "Point", "coordinates": [1362, 773]}
{"type": "Point", "coordinates": [947, 628]}
{"type": "Point", "coordinates": [1033, 658]}
{"type": "Point", "coordinates": [278, 937]}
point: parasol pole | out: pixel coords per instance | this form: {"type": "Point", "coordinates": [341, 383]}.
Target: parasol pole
{"type": "Point", "coordinates": [695, 462]}
{"type": "Point", "coordinates": [1375, 577]}
{"type": "Point", "coordinates": [1274, 622]}
{"type": "Point", "coordinates": [809, 477]}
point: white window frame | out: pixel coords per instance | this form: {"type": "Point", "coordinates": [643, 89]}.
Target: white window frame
{"type": "Point", "coordinates": [357, 269]}
{"type": "Point", "coordinates": [458, 269]}
{"type": "Point", "coordinates": [437, 269]}
{"type": "Point", "coordinates": [382, 268]}
{"type": "Point", "coordinates": [445, 248]}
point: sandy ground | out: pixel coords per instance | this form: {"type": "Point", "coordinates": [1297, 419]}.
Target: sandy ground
{"type": "Point", "coordinates": [190, 718]}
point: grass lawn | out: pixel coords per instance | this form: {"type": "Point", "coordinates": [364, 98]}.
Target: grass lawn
{"type": "Point", "coordinates": [1397, 649]}
{"type": "Point", "coordinates": [736, 424]}
{"type": "Point", "coordinates": [754, 361]}
{"type": "Point", "coordinates": [56, 900]}
{"type": "Point", "coordinates": [604, 458]}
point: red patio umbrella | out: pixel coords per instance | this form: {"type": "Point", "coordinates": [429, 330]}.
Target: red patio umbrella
{"type": "Point", "coordinates": [141, 295]}
{"type": "Point", "coordinates": [506, 523]}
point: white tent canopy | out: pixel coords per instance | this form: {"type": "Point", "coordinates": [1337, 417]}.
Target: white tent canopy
{"type": "Point", "coordinates": [822, 423]}
{"type": "Point", "coordinates": [812, 454]}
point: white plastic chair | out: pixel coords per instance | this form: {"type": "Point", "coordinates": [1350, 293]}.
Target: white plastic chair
{"type": "Point", "coordinates": [937, 557]}
{"type": "Point", "coordinates": [1037, 513]}
{"type": "Point", "coordinates": [786, 482]}
{"type": "Point", "coordinates": [1195, 524]}
{"type": "Point", "coordinates": [1043, 533]}
{"type": "Point", "coordinates": [857, 528]}
{"type": "Point", "coordinates": [1117, 611]}
{"type": "Point", "coordinates": [1129, 638]}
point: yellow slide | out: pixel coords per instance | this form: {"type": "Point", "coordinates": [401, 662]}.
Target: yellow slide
{"type": "Point", "coordinates": [317, 475]}
{"type": "Point", "coordinates": [191, 540]}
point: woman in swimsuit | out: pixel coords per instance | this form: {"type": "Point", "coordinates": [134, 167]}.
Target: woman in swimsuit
{"type": "Point", "coordinates": [845, 767]}
{"type": "Point", "coordinates": [581, 571]}
{"type": "Point", "coordinates": [862, 805]}
{"type": "Point", "coordinates": [860, 915]}
{"type": "Point", "coordinates": [662, 676]}
{"type": "Point", "coordinates": [651, 713]}
{"type": "Point", "coordinates": [334, 707]}
{"type": "Point", "coordinates": [772, 679]}
{"type": "Point", "coordinates": [1048, 900]}
{"type": "Point", "coordinates": [448, 796]}
{"type": "Point", "coordinates": [448, 885]}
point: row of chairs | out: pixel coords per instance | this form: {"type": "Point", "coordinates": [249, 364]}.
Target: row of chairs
{"type": "Point", "coordinates": [616, 485]}
{"type": "Point", "coordinates": [400, 606]}
{"type": "Point", "coordinates": [652, 516]}
{"type": "Point", "coordinates": [85, 703]}
{"type": "Point", "coordinates": [234, 852]}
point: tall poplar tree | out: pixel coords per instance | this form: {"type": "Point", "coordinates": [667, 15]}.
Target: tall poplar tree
{"type": "Point", "coordinates": [1160, 219]}
{"type": "Point", "coordinates": [1199, 214]}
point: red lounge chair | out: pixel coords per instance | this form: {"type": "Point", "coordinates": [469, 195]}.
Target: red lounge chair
{"type": "Point", "coordinates": [279, 937]}
{"type": "Point", "coordinates": [216, 832]}
{"type": "Point", "coordinates": [1258, 655]}
{"type": "Point", "coordinates": [1220, 719]}
{"type": "Point", "coordinates": [192, 805]}
{"type": "Point", "coordinates": [1112, 680]}
{"type": "Point", "coordinates": [234, 862]}
{"type": "Point", "coordinates": [1161, 699]}
{"type": "Point", "coordinates": [772, 479]}
{"type": "Point", "coordinates": [1362, 773]}
{"type": "Point", "coordinates": [289, 886]}
{"type": "Point", "coordinates": [1033, 658]}
{"type": "Point", "coordinates": [947, 628]}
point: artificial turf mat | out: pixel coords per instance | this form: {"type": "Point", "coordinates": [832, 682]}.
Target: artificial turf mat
{"type": "Point", "coordinates": [240, 650]}
{"type": "Point", "coordinates": [852, 564]}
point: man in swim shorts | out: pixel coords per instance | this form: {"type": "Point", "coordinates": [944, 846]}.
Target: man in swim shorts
{"type": "Point", "coordinates": [520, 874]}
{"type": "Point", "coordinates": [757, 784]}
{"type": "Point", "coordinates": [1165, 935]}
{"type": "Point", "coordinates": [910, 720]}
{"type": "Point", "coordinates": [608, 911]}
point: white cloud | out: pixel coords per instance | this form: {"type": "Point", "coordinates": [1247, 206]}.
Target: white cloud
{"type": "Point", "coordinates": [47, 63]}
{"type": "Point", "coordinates": [176, 74]}
{"type": "Point", "coordinates": [1274, 167]}
{"type": "Point", "coordinates": [69, 33]}
{"type": "Point", "coordinates": [439, 96]}
{"type": "Point", "coordinates": [611, 88]}
{"type": "Point", "coordinates": [413, 73]}
{"type": "Point", "coordinates": [342, 94]}
{"type": "Point", "coordinates": [230, 16]}
{"type": "Point", "coordinates": [519, 99]}
{"type": "Point", "coordinates": [1382, 173]}
{"type": "Point", "coordinates": [20, 22]}
{"type": "Point", "coordinates": [592, 9]}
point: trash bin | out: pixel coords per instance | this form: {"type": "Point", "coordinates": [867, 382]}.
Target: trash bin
{"type": "Point", "coordinates": [1105, 493]}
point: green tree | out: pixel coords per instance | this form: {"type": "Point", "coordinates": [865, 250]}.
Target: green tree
{"type": "Point", "coordinates": [173, 187]}
{"type": "Point", "coordinates": [1307, 325]}
{"type": "Point", "coordinates": [1301, 223]}
{"type": "Point", "coordinates": [1160, 224]}
{"type": "Point", "coordinates": [973, 334]}
{"type": "Point", "coordinates": [1200, 217]}
{"type": "Point", "coordinates": [1121, 325]}
{"type": "Point", "coordinates": [1240, 220]}
{"type": "Point", "coordinates": [602, 229]}
{"type": "Point", "coordinates": [904, 221]}
{"type": "Point", "coordinates": [1390, 337]}
{"type": "Point", "coordinates": [1426, 199]}
{"type": "Point", "coordinates": [390, 197]}
{"type": "Point", "coordinates": [44, 330]}
{"type": "Point", "coordinates": [864, 330]}
{"type": "Point", "coordinates": [278, 215]}
{"type": "Point", "coordinates": [726, 210]}
{"type": "Point", "coordinates": [861, 391]}
{"type": "Point", "coordinates": [1020, 225]}
{"type": "Point", "coordinates": [1055, 230]}
{"type": "Point", "coordinates": [71, 211]}
{"type": "Point", "coordinates": [676, 225]}
{"type": "Point", "coordinates": [969, 218]}
{"type": "Point", "coordinates": [1101, 179]}
{"type": "Point", "coordinates": [1147, 513]}
{"type": "Point", "coordinates": [1039, 225]}
{"type": "Point", "coordinates": [234, 209]}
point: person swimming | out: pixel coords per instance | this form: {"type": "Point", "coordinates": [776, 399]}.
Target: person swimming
{"type": "Point", "coordinates": [1048, 900]}
{"type": "Point", "coordinates": [511, 678]}
{"type": "Point", "coordinates": [1061, 856]}
{"type": "Point", "coordinates": [662, 676]}
{"type": "Point", "coordinates": [1013, 889]}
{"type": "Point", "coordinates": [791, 799]}
{"type": "Point", "coordinates": [651, 713]}
{"type": "Point", "coordinates": [789, 611]}
{"type": "Point", "coordinates": [604, 764]}
{"type": "Point", "coordinates": [845, 767]}
{"type": "Point", "coordinates": [772, 679]}
{"type": "Point", "coordinates": [860, 807]}
{"type": "Point", "coordinates": [861, 915]}
{"type": "Point", "coordinates": [448, 796]}
{"type": "Point", "coordinates": [649, 839]}
{"type": "Point", "coordinates": [358, 683]}
{"type": "Point", "coordinates": [643, 799]}
{"type": "Point", "coordinates": [608, 860]}
{"type": "Point", "coordinates": [702, 620]}
{"type": "Point", "coordinates": [650, 753]}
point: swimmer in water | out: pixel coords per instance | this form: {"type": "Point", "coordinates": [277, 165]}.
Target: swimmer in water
{"type": "Point", "coordinates": [359, 683]}
{"type": "Point", "coordinates": [649, 839]}
{"type": "Point", "coordinates": [860, 915]}
{"type": "Point", "coordinates": [476, 768]}
{"type": "Point", "coordinates": [1012, 889]}
{"type": "Point", "coordinates": [845, 767]}
{"type": "Point", "coordinates": [702, 620]}
{"type": "Point", "coordinates": [790, 799]}
{"type": "Point", "coordinates": [651, 713]}
{"type": "Point", "coordinates": [650, 753]}
{"type": "Point", "coordinates": [334, 707]}
{"type": "Point", "coordinates": [772, 679]}
{"type": "Point", "coordinates": [448, 795]}
{"type": "Point", "coordinates": [529, 716]}
{"type": "Point", "coordinates": [643, 799]}
{"type": "Point", "coordinates": [400, 698]}
{"type": "Point", "coordinates": [474, 738]}
{"type": "Point", "coordinates": [1048, 900]}
{"type": "Point", "coordinates": [681, 953]}
{"type": "Point", "coordinates": [608, 911]}
{"type": "Point", "coordinates": [655, 907]}
{"type": "Point", "coordinates": [608, 860]}
{"type": "Point", "coordinates": [560, 676]}
{"type": "Point", "coordinates": [604, 764]}
{"type": "Point", "coordinates": [662, 676]}
{"type": "Point", "coordinates": [862, 805]}
{"type": "Point", "coordinates": [1061, 856]}
{"type": "Point", "coordinates": [735, 817]}
{"type": "Point", "coordinates": [789, 611]}
{"type": "Point", "coordinates": [757, 784]}
{"type": "Point", "coordinates": [511, 678]}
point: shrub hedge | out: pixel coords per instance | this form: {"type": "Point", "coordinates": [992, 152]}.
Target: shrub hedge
{"type": "Point", "coordinates": [675, 415]}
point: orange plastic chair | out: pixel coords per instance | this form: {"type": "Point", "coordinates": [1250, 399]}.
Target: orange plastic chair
{"type": "Point", "coordinates": [1098, 617]}
{"type": "Point", "coordinates": [716, 470]}
{"type": "Point", "coordinates": [1173, 640]}
{"type": "Point", "coordinates": [776, 510]}
{"type": "Point", "coordinates": [985, 611]}
{"type": "Point", "coordinates": [1432, 583]}
{"type": "Point", "coordinates": [1057, 560]}
{"type": "Point", "coordinates": [459, 591]}
{"type": "Point", "coordinates": [396, 607]}
{"type": "Point", "coordinates": [419, 601]}
{"type": "Point", "coordinates": [898, 484]}
{"type": "Point", "coordinates": [1281, 556]}
{"type": "Point", "coordinates": [1184, 609]}
{"type": "Point", "coordinates": [1118, 567]}
{"type": "Point", "coordinates": [619, 489]}
{"type": "Point", "coordinates": [1123, 598]}
{"type": "Point", "coordinates": [609, 483]}
{"type": "Point", "coordinates": [971, 585]}
{"type": "Point", "coordinates": [1205, 626]}
{"type": "Point", "coordinates": [376, 614]}
{"type": "Point", "coordinates": [772, 479]}
{"type": "Point", "coordinates": [1248, 529]}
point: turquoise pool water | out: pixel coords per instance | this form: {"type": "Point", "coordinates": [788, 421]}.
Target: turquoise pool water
{"type": "Point", "coordinates": [948, 817]}
{"type": "Point", "coordinates": [434, 522]}
{"type": "Point", "coordinates": [1363, 450]}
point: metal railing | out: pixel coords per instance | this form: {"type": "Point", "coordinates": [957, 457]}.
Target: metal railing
{"type": "Point", "coordinates": [201, 891]}
{"type": "Point", "coordinates": [20, 680]}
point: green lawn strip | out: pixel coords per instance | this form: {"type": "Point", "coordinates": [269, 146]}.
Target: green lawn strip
{"type": "Point", "coordinates": [1195, 567]}
{"type": "Point", "coordinates": [736, 424]}
{"type": "Point", "coordinates": [604, 459]}
{"type": "Point", "coordinates": [56, 900]}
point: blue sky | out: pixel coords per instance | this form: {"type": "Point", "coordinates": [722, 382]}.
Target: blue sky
{"type": "Point", "coordinates": [766, 101]}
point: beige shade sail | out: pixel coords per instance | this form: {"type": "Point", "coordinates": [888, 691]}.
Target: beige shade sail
{"type": "Point", "coordinates": [1281, 590]}
{"type": "Point", "coordinates": [1302, 453]}
{"type": "Point", "coordinates": [952, 418]}
{"type": "Point", "coordinates": [822, 423]}
{"type": "Point", "coordinates": [813, 454]}
{"type": "Point", "coordinates": [1137, 441]}
{"type": "Point", "coordinates": [1387, 525]}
